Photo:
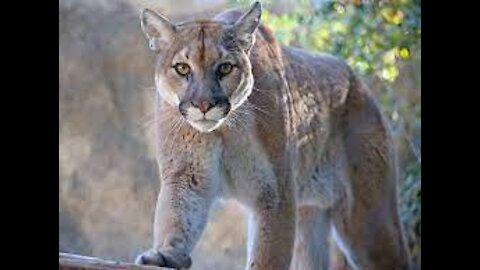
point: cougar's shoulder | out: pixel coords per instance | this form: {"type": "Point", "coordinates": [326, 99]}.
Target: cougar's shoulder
{"type": "Point", "coordinates": [327, 76]}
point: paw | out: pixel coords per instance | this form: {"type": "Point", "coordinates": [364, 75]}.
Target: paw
{"type": "Point", "coordinates": [164, 259]}
{"type": "Point", "coordinates": [151, 257]}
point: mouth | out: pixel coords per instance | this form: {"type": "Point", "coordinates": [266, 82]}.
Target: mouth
{"type": "Point", "coordinates": [206, 122]}
{"type": "Point", "coordinates": [205, 125]}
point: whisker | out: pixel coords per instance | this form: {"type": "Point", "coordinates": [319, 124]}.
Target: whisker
{"type": "Point", "coordinates": [261, 110]}
{"type": "Point", "coordinates": [242, 117]}
{"type": "Point", "coordinates": [147, 87]}
{"type": "Point", "coordinates": [155, 120]}
{"type": "Point", "coordinates": [178, 129]}
{"type": "Point", "coordinates": [167, 138]}
{"type": "Point", "coordinates": [233, 120]}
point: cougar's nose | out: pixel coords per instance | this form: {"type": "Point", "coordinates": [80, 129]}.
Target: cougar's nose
{"type": "Point", "coordinates": [203, 105]}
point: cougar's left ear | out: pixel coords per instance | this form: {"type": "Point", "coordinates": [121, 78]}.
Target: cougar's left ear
{"type": "Point", "coordinates": [245, 27]}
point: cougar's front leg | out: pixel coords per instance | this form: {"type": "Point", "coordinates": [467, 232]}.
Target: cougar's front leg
{"type": "Point", "coordinates": [188, 189]}
{"type": "Point", "coordinates": [271, 229]}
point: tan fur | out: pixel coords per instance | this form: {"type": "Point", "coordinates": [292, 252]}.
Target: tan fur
{"type": "Point", "coordinates": [307, 151]}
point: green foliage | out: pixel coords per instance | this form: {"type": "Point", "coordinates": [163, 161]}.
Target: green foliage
{"type": "Point", "coordinates": [372, 37]}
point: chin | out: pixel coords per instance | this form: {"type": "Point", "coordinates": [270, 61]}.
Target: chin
{"type": "Point", "coordinates": [205, 126]}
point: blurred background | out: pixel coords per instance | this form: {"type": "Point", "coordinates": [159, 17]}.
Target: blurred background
{"type": "Point", "coordinates": [108, 178]}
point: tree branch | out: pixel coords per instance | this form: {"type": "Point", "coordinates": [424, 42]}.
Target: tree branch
{"type": "Point", "coordinates": [68, 261]}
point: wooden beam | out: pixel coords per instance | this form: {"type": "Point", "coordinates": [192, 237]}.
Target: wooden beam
{"type": "Point", "coordinates": [67, 261]}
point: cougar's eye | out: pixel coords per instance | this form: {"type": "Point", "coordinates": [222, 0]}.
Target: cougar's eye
{"type": "Point", "coordinates": [182, 69]}
{"type": "Point", "coordinates": [225, 68]}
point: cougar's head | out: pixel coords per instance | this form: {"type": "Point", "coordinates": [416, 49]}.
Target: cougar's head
{"type": "Point", "coordinates": [203, 67]}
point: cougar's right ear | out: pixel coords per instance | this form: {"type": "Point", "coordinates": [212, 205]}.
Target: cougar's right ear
{"type": "Point", "coordinates": [158, 29]}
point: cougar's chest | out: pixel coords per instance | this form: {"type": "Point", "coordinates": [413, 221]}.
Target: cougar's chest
{"type": "Point", "coordinates": [245, 165]}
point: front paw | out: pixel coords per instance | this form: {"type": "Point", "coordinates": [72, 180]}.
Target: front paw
{"type": "Point", "coordinates": [164, 259]}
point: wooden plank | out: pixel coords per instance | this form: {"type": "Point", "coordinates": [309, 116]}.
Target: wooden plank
{"type": "Point", "coordinates": [67, 261]}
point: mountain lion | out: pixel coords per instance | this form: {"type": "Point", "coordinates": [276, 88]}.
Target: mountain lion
{"type": "Point", "coordinates": [295, 137]}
